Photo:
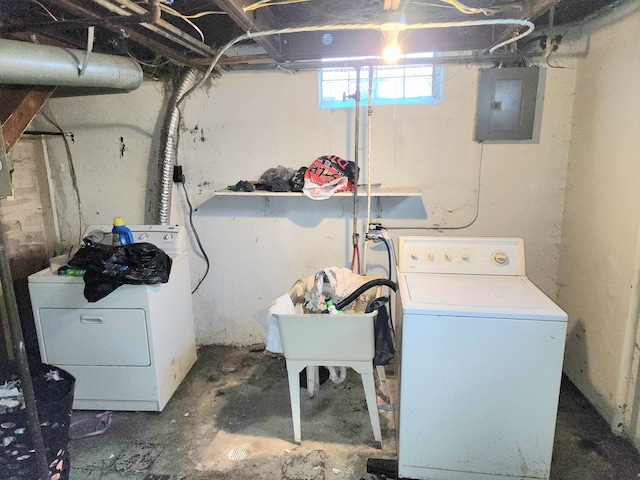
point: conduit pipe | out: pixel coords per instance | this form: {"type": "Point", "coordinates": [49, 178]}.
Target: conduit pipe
{"type": "Point", "coordinates": [169, 143]}
{"type": "Point", "coordinates": [369, 117]}
{"type": "Point", "coordinates": [624, 405]}
{"type": "Point", "coordinates": [26, 63]}
{"type": "Point", "coordinates": [355, 235]}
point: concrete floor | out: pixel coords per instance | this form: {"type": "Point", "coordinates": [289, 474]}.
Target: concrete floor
{"type": "Point", "coordinates": [231, 419]}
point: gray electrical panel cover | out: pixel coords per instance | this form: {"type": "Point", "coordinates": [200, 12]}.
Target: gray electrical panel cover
{"type": "Point", "coordinates": [506, 103]}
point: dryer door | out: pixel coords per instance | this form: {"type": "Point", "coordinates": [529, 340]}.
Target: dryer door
{"type": "Point", "coordinates": [103, 337]}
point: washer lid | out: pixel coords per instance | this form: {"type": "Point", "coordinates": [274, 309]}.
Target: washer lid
{"type": "Point", "coordinates": [478, 296]}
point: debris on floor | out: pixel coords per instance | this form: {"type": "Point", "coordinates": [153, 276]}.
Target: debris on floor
{"type": "Point", "coordinates": [240, 427]}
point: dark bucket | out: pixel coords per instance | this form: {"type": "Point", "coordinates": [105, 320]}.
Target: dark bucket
{"type": "Point", "coordinates": [53, 388]}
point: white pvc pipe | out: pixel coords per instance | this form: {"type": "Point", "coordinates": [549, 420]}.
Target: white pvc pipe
{"type": "Point", "coordinates": [625, 373]}
{"type": "Point", "coordinates": [335, 376]}
{"type": "Point", "coordinates": [25, 63]}
{"type": "Point", "coordinates": [530, 27]}
{"type": "Point", "coordinates": [369, 117]}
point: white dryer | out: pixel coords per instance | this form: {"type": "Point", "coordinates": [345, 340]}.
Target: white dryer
{"type": "Point", "coordinates": [480, 361]}
{"type": "Point", "coordinates": [129, 350]}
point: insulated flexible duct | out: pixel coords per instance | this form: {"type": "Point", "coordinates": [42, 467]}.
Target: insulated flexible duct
{"type": "Point", "coordinates": [168, 145]}
{"type": "Point", "coordinates": [26, 63]}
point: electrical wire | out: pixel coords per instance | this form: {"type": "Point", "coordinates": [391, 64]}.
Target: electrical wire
{"type": "Point", "coordinates": [177, 14]}
{"type": "Point", "coordinates": [150, 65]}
{"type": "Point", "coordinates": [462, 8]}
{"type": "Point", "coordinates": [477, 207]}
{"type": "Point", "coordinates": [376, 26]}
{"type": "Point", "coordinates": [45, 9]}
{"type": "Point", "coordinates": [428, 4]}
{"type": "Point", "coordinates": [268, 3]}
{"type": "Point", "coordinates": [203, 14]}
{"type": "Point", "coordinates": [191, 224]}
{"type": "Point", "coordinates": [197, 237]}
{"type": "Point", "coordinates": [547, 60]}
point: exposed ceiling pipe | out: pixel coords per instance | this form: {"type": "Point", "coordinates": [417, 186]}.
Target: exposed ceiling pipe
{"type": "Point", "coordinates": [24, 63]}
{"type": "Point", "coordinates": [549, 45]}
{"type": "Point", "coordinates": [303, 65]}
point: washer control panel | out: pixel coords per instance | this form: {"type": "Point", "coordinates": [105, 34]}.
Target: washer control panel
{"type": "Point", "coordinates": [461, 255]}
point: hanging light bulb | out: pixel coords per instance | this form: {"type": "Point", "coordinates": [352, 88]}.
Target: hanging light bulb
{"type": "Point", "coordinates": [392, 51]}
{"type": "Point", "coordinates": [394, 24]}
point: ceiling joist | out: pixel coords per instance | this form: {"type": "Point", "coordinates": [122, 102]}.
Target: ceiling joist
{"type": "Point", "coordinates": [129, 27]}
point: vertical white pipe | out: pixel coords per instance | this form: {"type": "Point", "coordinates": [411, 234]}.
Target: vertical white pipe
{"type": "Point", "coordinates": [625, 373]}
{"type": "Point", "coordinates": [369, 117]}
{"type": "Point", "coordinates": [52, 199]}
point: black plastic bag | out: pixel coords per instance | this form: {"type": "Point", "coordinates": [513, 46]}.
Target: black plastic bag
{"type": "Point", "coordinates": [384, 342]}
{"type": "Point", "coordinates": [108, 267]}
{"type": "Point", "coordinates": [277, 179]}
{"type": "Point", "coordinates": [297, 182]}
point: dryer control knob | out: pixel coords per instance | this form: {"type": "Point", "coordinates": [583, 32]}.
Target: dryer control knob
{"type": "Point", "coordinates": [414, 256]}
{"type": "Point", "coordinates": [168, 236]}
{"type": "Point", "coordinates": [500, 258]}
{"type": "Point", "coordinates": [447, 257]}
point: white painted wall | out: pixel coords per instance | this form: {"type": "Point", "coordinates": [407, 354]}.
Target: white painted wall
{"type": "Point", "coordinates": [600, 254]}
{"type": "Point", "coordinates": [113, 144]}
{"type": "Point", "coordinates": [243, 124]}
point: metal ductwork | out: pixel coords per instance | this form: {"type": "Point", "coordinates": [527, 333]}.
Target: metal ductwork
{"type": "Point", "coordinates": [26, 63]}
{"type": "Point", "coordinates": [169, 144]}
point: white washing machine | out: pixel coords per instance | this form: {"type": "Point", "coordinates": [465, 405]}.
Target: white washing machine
{"type": "Point", "coordinates": [480, 361]}
{"type": "Point", "coordinates": [129, 350]}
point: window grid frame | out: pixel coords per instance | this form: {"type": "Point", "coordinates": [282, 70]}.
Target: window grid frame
{"type": "Point", "coordinates": [433, 99]}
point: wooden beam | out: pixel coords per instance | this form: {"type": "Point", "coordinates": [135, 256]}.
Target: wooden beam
{"type": "Point", "coordinates": [159, 27]}
{"type": "Point", "coordinates": [131, 32]}
{"type": "Point", "coordinates": [250, 24]}
{"type": "Point", "coordinates": [241, 59]}
{"type": "Point", "coordinates": [534, 8]}
{"type": "Point", "coordinates": [18, 105]}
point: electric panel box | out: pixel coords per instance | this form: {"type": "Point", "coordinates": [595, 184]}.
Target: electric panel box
{"type": "Point", "coordinates": [506, 103]}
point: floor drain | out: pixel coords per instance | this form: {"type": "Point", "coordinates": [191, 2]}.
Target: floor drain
{"type": "Point", "coordinates": [237, 454]}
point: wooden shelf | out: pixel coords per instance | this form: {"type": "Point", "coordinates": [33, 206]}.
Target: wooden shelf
{"type": "Point", "coordinates": [362, 192]}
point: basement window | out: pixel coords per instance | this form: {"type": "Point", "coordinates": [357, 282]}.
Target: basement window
{"type": "Point", "coordinates": [391, 85]}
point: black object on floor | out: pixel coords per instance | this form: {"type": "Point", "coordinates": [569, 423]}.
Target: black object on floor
{"type": "Point", "coordinates": [54, 389]}
{"type": "Point", "coordinates": [382, 466]}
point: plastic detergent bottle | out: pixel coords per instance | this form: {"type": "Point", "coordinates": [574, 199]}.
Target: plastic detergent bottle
{"type": "Point", "coordinates": [121, 233]}
{"type": "Point", "coordinates": [332, 308]}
